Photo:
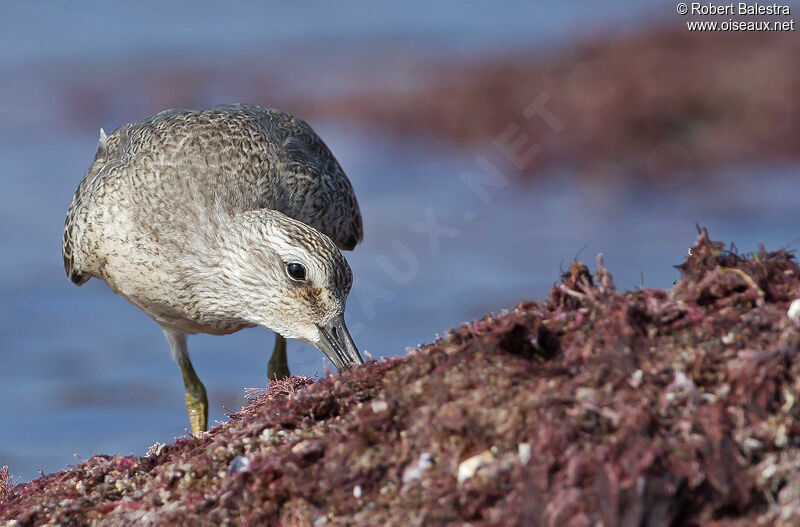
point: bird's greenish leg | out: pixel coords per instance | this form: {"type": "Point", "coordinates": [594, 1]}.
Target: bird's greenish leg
{"type": "Point", "coordinates": [196, 399]}
{"type": "Point", "coordinates": [278, 366]}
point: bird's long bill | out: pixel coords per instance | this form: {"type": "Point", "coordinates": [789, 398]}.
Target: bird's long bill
{"type": "Point", "coordinates": [336, 342]}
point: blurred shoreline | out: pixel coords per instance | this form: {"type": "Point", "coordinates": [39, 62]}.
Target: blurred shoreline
{"type": "Point", "coordinates": [658, 107]}
{"type": "Point", "coordinates": [655, 107]}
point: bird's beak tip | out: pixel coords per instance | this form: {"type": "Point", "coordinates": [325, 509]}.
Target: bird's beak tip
{"type": "Point", "coordinates": [337, 344]}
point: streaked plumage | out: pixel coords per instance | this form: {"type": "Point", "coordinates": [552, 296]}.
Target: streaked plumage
{"type": "Point", "coordinates": [193, 215]}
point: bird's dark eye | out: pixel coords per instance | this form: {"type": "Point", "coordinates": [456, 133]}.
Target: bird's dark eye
{"type": "Point", "coordinates": [296, 271]}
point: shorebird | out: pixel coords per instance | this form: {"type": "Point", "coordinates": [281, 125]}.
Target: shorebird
{"type": "Point", "coordinates": [214, 220]}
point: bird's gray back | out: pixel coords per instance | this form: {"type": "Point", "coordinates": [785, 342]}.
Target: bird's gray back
{"type": "Point", "coordinates": [159, 175]}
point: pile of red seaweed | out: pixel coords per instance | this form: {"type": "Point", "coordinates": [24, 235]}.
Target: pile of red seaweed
{"type": "Point", "coordinates": [649, 407]}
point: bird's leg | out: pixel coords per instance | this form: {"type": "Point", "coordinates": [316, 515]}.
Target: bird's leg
{"type": "Point", "coordinates": [196, 399]}
{"type": "Point", "coordinates": [278, 366]}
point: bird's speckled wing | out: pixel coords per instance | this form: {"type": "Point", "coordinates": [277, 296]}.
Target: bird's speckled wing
{"type": "Point", "coordinates": [238, 156]}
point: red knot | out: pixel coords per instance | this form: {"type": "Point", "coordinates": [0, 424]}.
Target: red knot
{"type": "Point", "coordinates": [214, 220]}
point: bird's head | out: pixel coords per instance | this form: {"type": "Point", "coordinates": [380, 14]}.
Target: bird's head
{"type": "Point", "coordinates": [290, 278]}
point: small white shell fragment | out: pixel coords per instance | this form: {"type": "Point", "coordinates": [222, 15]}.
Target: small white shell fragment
{"type": "Point", "coordinates": [789, 398]}
{"type": "Point", "coordinates": [414, 471]}
{"type": "Point", "coordinates": [751, 443]}
{"type": "Point", "coordinates": [379, 406]}
{"type": "Point", "coordinates": [524, 452]}
{"type": "Point", "coordinates": [769, 471]}
{"type": "Point", "coordinates": [238, 464]}
{"type": "Point", "coordinates": [794, 311]}
{"type": "Point", "coordinates": [781, 439]}
{"type": "Point", "coordinates": [468, 467]}
{"type": "Point", "coordinates": [636, 379]}
{"type": "Point", "coordinates": [357, 492]}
